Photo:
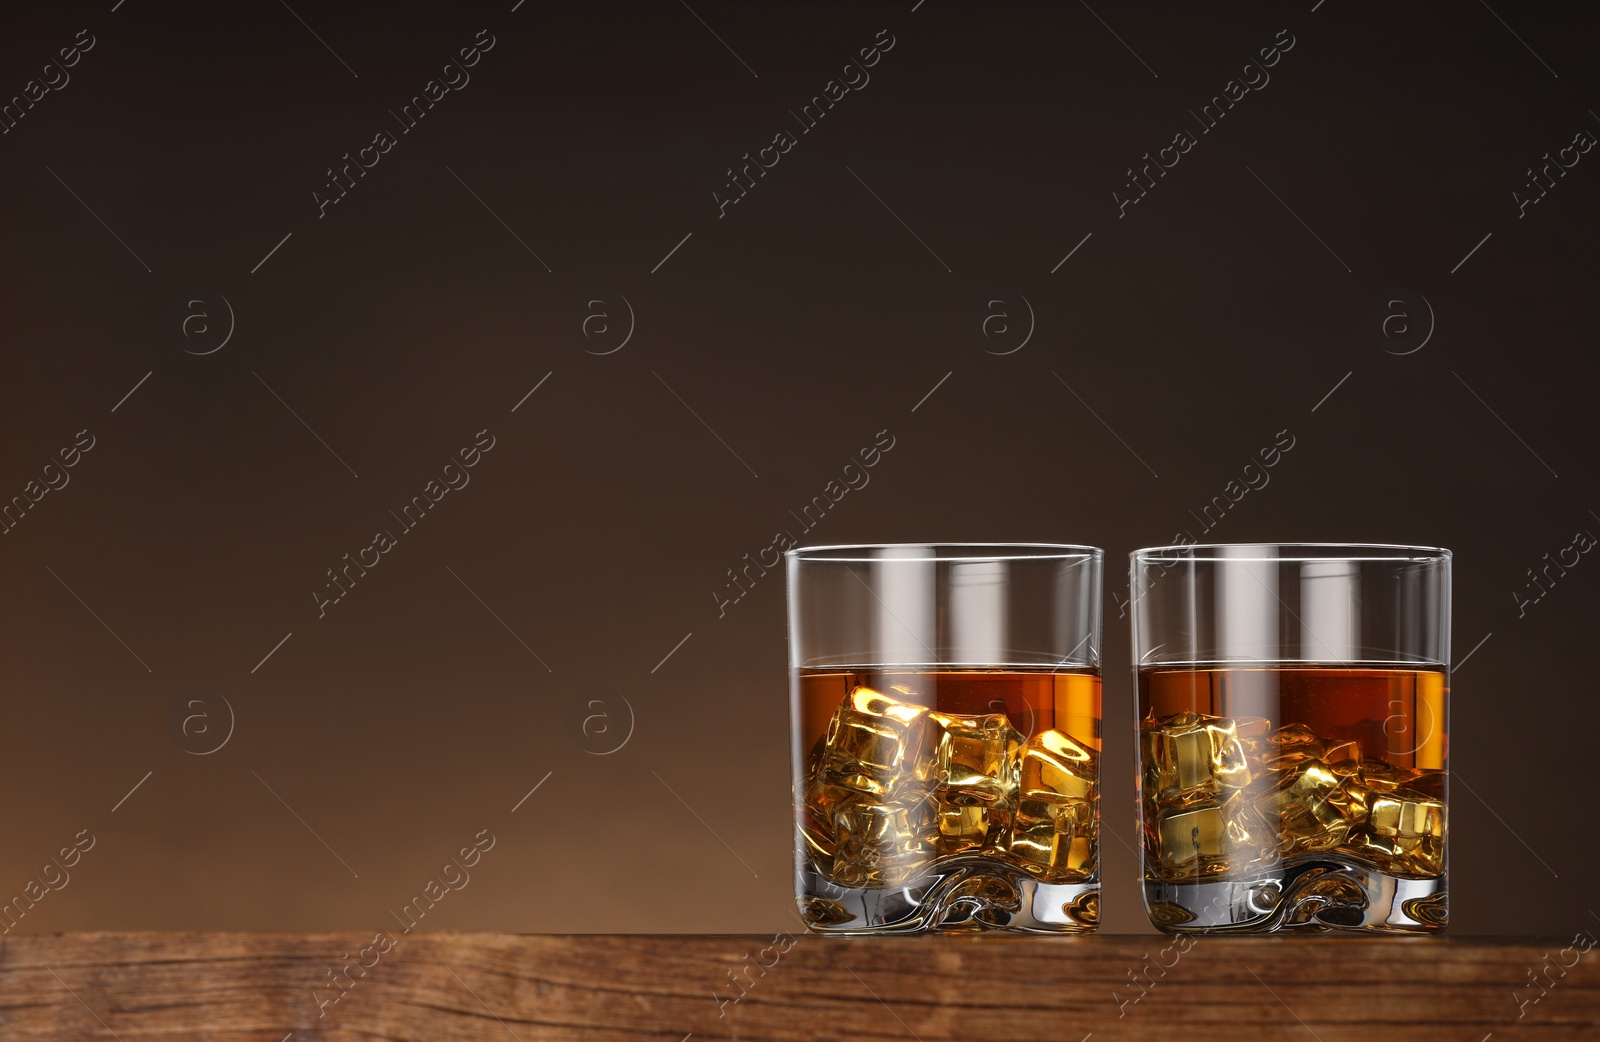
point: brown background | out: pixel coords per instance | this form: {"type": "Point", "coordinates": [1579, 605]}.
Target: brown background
{"type": "Point", "coordinates": [806, 320]}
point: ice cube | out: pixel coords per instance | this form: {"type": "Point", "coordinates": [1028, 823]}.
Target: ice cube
{"type": "Point", "coordinates": [1052, 837]}
{"type": "Point", "coordinates": [1229, 764]}
{"type": "Point", "coordinates": [1404, 834]}
{"type": "Point", "coordinates": [818, 802]}
{"type": "Point", "coordinates": [873, 741]}
{"type": "Point", "coordinates": [1054, 764]}
{"type": "Point", "coordinates": [815, 842]}
{"type": "Point", "coordinates": [1295, 734]}
{"type": "Point", "coordinates": [1343, 758]}
{"type": "Point", "coordinates": [962, 828]}
{"type": "Point", "coordinates": [1406, 818]}
{"type": "Point", "coordinates": [1251, 727]}
{"type": "Point", "coordinates": [878, 844]}
{"type": "Point", "coordinates": [1197, 834]}
{"type": "Point", "coordinates": [1290, 746]}
{"type": "Point", "coordinates": [1312, 808]}
{"type": "Point", "coordinates": [1375, 779]}
{"type": "Point", "coordinates": [1190, 753]}
{"type": "Point", "coordinates": [1382, 776]}
{"type": "Point", "coordinates": [975, 757]}
{"type": "Point", "coordinates": [1253, 838]}
{"type": "Point", "coordinates": [1177, 755]}
{"type": "Point", "coordinates": [1252, 732]}
{"type": "Point", "coordinates": [1193, 840]}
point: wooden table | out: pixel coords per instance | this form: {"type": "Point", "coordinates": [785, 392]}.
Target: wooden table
{"type": "Point", "coordinates": [241, 987]}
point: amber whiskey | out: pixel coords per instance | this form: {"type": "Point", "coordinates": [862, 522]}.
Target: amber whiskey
{"type": "Point", "coordinates": [957, 798]}
{"type": "Point", "coordinates": [1294, 796]}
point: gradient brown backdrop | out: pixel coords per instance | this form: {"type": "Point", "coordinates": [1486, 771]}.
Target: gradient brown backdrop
{"type": "Point", "coordinates": [772, 344]}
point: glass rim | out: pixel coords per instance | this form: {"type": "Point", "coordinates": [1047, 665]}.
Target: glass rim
{"type": "Point", "coordinates": [1278, 665]}
{"type": "Point", "coordinates": [1299, 552]}
{"type": "Point", "coordinates": [867, 553]}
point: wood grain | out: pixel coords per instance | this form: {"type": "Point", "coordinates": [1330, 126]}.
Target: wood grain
{"type": "Point", "coordinates": [237, 987]}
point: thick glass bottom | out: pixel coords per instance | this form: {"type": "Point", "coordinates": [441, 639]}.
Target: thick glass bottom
{"type": "Point", "coordinates": [1310, 894]}
{"type": "Point", "coordinates": [963, 894]}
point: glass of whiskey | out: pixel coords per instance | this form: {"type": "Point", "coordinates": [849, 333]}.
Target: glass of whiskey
{"type": "Point", "coordinates": [945, 710]}
{"type": "Point", "coordinates": [1292, 721]}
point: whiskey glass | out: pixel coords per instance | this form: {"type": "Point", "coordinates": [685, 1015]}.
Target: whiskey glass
{"type": "Point", "coordinates": [1292, 721]}
{"type": "Point", "coordinates": [945, 711]}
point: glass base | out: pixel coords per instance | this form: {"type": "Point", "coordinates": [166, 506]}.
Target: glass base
{"type": "Point", "coordinates": [1313, 894]}
{"type": "Point", "coordinates": [963, 894]}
